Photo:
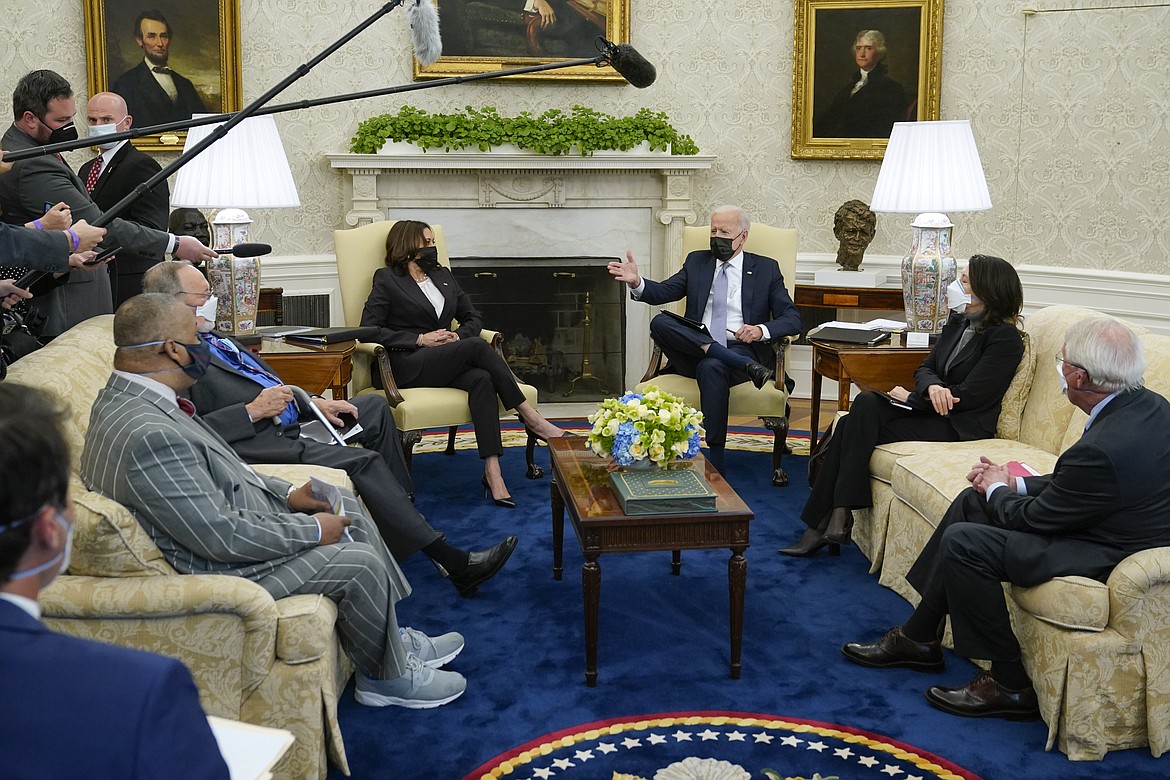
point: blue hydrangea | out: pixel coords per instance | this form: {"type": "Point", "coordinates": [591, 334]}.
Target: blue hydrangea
{"type": "Point", "coordinates": [626, 436]}
{"type": "Point", "coordinates": [625, 399]}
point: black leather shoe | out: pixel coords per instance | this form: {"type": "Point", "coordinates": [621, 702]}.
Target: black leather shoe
{"type": "Point", "coordinates": [759, 374]}
{"type": "Point", "coordinates": [810, 544]}
{"type": "Point", "coordinates": [840, 526]}
{"type": "Point", "coordinates": [507, 502]}
{"type": "Point", "coordinates": [983, 697]}
{"type": "Point", "coordinates": [482, 565]}
{"type": "Point", "coordinates": [897, 649]}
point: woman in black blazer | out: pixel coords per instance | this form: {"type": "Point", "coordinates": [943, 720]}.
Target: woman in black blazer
{"type": "Point", "coordinates": [957, 394]}
{"type": "Point", "coordinates": [413, 301]}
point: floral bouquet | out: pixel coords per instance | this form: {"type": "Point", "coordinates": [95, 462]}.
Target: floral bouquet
{"type": "Point", "coordinates": [651, 425]}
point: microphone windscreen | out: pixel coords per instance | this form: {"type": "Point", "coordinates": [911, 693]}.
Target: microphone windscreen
{"type": "Point", "coordinates": [424, 31]}
{"type": "Point", "coordinates": [632, 66]}
{"type": "Point", "coordinates": [250, 250]}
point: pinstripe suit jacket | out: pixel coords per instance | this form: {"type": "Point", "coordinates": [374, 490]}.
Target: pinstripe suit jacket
{"type": "Point", "coordinates": [208, 512]}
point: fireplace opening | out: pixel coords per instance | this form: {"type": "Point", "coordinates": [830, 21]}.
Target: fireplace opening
{"type": "Point", "coordinates": [562, 321]}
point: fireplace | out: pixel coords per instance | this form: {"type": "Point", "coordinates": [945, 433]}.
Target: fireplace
{"type": "Point", "coordinates": [544, 226]}
{"type": "Point", "coordinates": [562, 319]}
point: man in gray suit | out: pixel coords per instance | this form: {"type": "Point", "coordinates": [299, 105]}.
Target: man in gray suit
{"type": "Point", "coordinates": [246, 403]}
{"type": "Point", "coordinates": [209, 513]}
{"type": "Point", "coordinates": [43, 108]}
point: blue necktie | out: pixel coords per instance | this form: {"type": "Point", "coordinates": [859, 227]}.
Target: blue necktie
{"type": "Point", "coordinates": [719, 306]}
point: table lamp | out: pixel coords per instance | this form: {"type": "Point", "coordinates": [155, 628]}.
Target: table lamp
{"type": "Point", "coordinates": [246, 168]}
{"type": "Point", "coordinates": [929, 168]}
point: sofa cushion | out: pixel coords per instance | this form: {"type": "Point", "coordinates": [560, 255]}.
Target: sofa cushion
{"type": "Point", "coordinates": [1012, 406]}
{"type": "Point", "coordinates": [108, 541]}
{"type": "Point", "coordinates": [1077, 603]}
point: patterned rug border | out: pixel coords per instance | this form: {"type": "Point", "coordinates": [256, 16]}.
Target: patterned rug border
{"type": "Point", "coordinates": [739, 438]}
{"type": "Point", "coordinates": [503, 764]}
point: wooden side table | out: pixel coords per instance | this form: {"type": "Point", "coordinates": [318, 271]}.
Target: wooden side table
{"type": "Point", "coordinates": [878, 367]}
{"type": "Point", "coordinates": [879, 298]}
{"type": "Point", "coordinates": [312, 368]}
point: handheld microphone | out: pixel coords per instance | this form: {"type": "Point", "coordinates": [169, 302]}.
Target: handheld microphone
{"type": "Point", "coordinates": [249, 250]}
{"type": "Point", "coordinates": [424, 31]}
{"type": "Point", "coordinates": [629, 64]}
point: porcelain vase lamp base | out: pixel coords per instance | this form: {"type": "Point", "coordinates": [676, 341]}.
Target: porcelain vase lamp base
{"type": "Point", "coordinates": [236, 282]}
{"type": "Point", "coordinates": [926, 272]}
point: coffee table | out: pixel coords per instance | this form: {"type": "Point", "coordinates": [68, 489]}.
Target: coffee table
{"type": "Point", "coordinates": [581, 484]}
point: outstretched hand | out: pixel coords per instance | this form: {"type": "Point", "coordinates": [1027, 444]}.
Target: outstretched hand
{"type": "Point", "coordinates": [626, 271]}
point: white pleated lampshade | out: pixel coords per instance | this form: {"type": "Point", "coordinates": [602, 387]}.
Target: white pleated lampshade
{"type": "Point", "coordinates": [246, 168]}
{"type": "Point", "coordinates": [931, 166]}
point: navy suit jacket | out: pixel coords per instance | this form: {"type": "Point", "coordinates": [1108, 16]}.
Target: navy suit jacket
{"type": "Point", "coordinates": [75, 708]}
{"type": "Point", "coordinates": [126, 170]}
{"type": "Point", "coordinates": [1108, 490]}
{"type": "Point", "coordinates": [764, 298]}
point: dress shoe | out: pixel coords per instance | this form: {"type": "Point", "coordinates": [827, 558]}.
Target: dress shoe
{"type": "Point", "coordinates": [897, 649]}
{"type": "Point", "coordinates": [507, 502]}
{"type": "Point", "coordinates": [482, 565]}
{"type": "Point", "coordinates": [840, 526]}
{"type": "Point", "coordinates": [759, 374]}
{"type": "Point", "coordinates": [983, 697]}
{"type": "Point", "coordinates": [811, 541]}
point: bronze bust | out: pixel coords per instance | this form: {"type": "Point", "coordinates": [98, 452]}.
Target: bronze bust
{"type": "Point", "coordinates": [854, 226]}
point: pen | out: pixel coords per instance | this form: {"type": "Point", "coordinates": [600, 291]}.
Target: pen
{"type": "Point", "coordinates": [729, 330]}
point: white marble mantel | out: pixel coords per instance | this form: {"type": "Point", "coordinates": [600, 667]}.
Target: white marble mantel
{"type": "Point", "coordinates": [529, 205]}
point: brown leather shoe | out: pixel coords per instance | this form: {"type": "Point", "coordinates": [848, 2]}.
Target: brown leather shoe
{"type": "Point", "coordinates": [983, 697]}
{"type": "Point", "coordinates": [896, 649]}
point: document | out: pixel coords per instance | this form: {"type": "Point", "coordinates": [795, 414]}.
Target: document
{"type": "Point", "coordinates": [331, 495]}
{"type": "Point", "coordinates": [1018, 469]}
{"type": "Point", "coordinates": [250, 751]}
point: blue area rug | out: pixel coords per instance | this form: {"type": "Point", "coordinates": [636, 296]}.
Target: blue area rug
{"type": "Point", "coordinates": [664, 647]}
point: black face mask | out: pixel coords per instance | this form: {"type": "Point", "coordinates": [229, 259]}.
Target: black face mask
{"type": "Point", "coordinates": [200, 353]}
{"type": "Point", "coordinates": [721, 248]}
{"type": "Point", "coordinates": [427, 259]}
{"type": "Point", "coordinates": [63, 133]}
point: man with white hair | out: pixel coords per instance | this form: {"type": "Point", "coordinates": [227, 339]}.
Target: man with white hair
{"type": "Point", "coordinates": [870, 104]}
{"type": "Point", "coordinates": [1106, 499]}
{"type": "Point", "coordinates": [739, 297]}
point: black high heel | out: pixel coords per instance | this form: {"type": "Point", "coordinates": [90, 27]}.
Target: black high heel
{"type": "Point", "coordinates": [507, 502]}
{"type": "Point", "coordinates": [810, 543]}
{"type": "Point", "coordinates": [840, 527]}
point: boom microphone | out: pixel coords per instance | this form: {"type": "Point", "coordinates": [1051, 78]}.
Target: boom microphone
{"type": "Point", "coordinates": [424, 31]}
{"type": "Point", "coordinates": [250, 250]}
{"type": "Point", "coordinates": [629, 64]}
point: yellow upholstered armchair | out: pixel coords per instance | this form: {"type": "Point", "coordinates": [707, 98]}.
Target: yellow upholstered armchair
{"type": "Point", "coordinates": [360, 252]}
{"type": "Point", "coordinates": [770, 403]}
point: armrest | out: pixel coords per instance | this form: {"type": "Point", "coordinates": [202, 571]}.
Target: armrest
{"type": "Point", "coordinates": [1139, 590]}
{"type": "Point", "coordinates": [380, 359]}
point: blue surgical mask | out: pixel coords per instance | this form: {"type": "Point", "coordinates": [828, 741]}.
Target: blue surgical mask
{"type": "Point", "coordinates": [96, 131]}
{"type": "Point", "coordinates": [60, 560]}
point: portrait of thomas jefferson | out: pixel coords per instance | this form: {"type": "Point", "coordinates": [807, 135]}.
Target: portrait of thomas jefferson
{"type": "Point", "coordinates": [865, 72]}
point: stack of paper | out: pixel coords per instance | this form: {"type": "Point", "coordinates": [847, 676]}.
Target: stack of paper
{"type": "Point", "coordinates": [250, 751]}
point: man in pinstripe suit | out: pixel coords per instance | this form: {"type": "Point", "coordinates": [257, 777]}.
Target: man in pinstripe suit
{"type": "Point", "coordinates": [210, 513]}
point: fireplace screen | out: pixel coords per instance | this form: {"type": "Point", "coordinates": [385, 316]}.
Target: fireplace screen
{"type": "Point", "coordinates": [562, 319]}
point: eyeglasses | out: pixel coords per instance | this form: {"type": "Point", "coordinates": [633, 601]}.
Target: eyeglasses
{"type": "Point", "coordinates": [1060, 361]}
{"type": "Point", "coordinates": [203, 296]}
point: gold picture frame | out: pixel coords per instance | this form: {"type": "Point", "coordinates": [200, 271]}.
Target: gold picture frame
{"type": "Point", "coordinates": [203, 56]}
{"type": "Point", "coordinates": [482, 36]}
{"type": "Point", "coordinates": [834, 117]}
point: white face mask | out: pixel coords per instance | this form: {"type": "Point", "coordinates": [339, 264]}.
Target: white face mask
{"type": "Point", "coordinates": [99, 130]}
{"type": "Point", "coordinates": [1061, 379]}
{"type": "Point", "coordinates": [957, 297]}
{"type": "Point", "coordinates": [60, 560]}
{"type": "Point", "coordinates": [207, 312]}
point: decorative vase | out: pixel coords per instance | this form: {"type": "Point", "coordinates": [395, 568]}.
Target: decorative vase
{"type": "Point", "coordinates": [236, 283]}
{"type": "Point", "coordinates": [926, 271]}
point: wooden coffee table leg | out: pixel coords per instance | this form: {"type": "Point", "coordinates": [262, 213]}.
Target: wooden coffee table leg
{"type": "Point", "coordinates": [591, 588]}
{"type": "Point", "coordinates": [558, 529]}
{"type": "Point", "coordinates": [737, 582]}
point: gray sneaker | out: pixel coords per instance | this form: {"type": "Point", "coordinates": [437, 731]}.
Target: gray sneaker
{"type": "Point", "coordinates": [421, 688]}
{"type": "Point", "coordinates": [434, 652]}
